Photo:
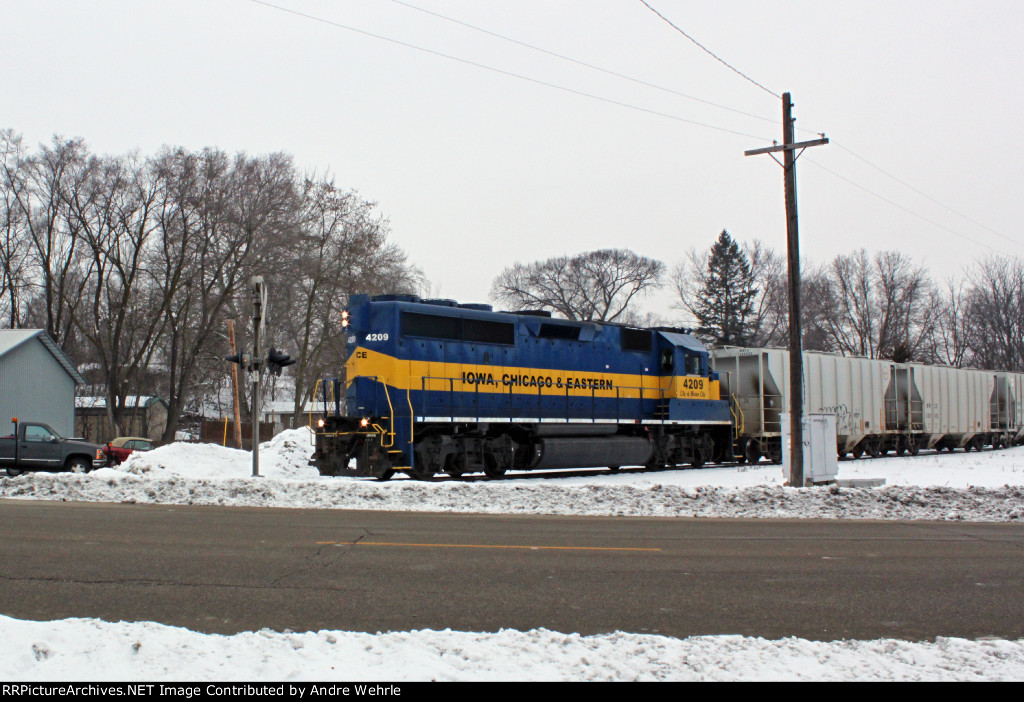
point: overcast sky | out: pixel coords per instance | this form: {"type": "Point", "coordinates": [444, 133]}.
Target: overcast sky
{"type": "Point", "coordinates": [477, 169]}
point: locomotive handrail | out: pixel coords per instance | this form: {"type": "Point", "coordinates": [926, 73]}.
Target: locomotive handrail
{"type": "Point", "coordinates": [315, 388]}
{"type": "Point", "coordinates": [737, 413]}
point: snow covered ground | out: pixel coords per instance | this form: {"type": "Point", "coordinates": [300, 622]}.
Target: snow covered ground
{"type": "Point", "coordinates": [985, 486]}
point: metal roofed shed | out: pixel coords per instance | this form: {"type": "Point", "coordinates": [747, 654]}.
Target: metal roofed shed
{"type": "Point", "coordinates": [37, 381]}
{"type": "Point", "coordinates": [141, 415]}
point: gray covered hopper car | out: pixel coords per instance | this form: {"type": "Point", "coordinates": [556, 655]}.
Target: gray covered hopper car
{"type": "Point", "coordinates": [880, 405]}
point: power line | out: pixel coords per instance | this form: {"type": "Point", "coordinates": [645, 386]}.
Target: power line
{"type": "Point", "coordinates": [578, 62]}
{"type": "Point", "coordinates": [710, 52]}
{"type": "Point", "coordinates": [901, 207]}
{"type": "Point", "coordinates": [650, 111]}
{"type": "Point", "coordinates": [509, 73]}
{"type": "Point", "coordinates": [929, 197]}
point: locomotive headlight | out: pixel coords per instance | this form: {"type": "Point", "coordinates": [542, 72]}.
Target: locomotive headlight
{"type": "Point", "coordinates": [364, 422]}
{"type": "Point", "coordinates": [344, 319]}
{"type": "Point", "coordinates": [320, 423]}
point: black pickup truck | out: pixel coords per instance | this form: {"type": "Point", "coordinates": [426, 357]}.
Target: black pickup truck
{"type": "Point", "coordinates": [39, 447]}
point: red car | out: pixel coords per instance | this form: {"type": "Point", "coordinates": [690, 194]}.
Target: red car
{"type": "Point", "coordinates": [123, 446]}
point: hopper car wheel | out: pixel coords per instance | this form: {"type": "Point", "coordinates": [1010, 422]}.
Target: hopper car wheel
{"type": "Point", "coordinates": [386, 475]}
{"type": "Point", "coordinates": [914, 448]}
{"type": "Point", "coordinates": [775, 454]}
{"type": "Point", "coordinates": [752, 451]}
{"type": "Point", "coordinates": [901, 446]}
{"type": "Point", "coordinates": [858, 451]}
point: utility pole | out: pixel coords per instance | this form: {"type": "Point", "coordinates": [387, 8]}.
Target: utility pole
{"type": "Point", "coordinates": [259, 303]}
{"type": "Point", "coordinates": [796, 365]}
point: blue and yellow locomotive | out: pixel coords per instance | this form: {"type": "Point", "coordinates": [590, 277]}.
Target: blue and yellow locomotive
{"type": "Point", "coordinates": [431, 386]}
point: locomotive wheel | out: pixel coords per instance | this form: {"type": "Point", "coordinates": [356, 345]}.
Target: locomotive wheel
{"type": "Point", "coordinates": [422, 473]}
{"type": "Point", "coordinates": [455, 466]}
{"type": "Point", "coordinates": [386, 475]}
{"type": "Point", "coordinates": [614, 469]}
{"type": "Point", "coordinates": [423, 468]}
{"type": "Point", "coordinates": [698, 457]}
{"type": "Point", "coordinates": [491, 468]}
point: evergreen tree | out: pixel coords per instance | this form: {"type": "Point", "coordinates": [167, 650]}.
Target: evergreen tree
{"type": "Point", "coordinates": [725, 305]}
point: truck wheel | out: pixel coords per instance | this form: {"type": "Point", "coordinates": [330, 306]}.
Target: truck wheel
{"type": "Point", "coordinates": [78, 465]}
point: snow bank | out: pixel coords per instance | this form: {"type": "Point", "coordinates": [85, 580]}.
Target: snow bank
{"type": "Point", "coordinates": [91, 649]}
{"type": "Point", "coordinates": [974, 487]}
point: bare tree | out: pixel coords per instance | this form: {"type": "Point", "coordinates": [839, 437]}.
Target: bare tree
{"type": "Point", "coordinates": [341, 247]}
{"type": "Point", "coordinates": [995, 308]}
{"type": "Point", "coordinates": [953, 337]}
{"type": "Point", "coordinates": [883, 307]}
{"type": "Point", "coordinates": [39, 192]}
{"type": "Point", "coordinates": [595, 285]}
{"type": "Point", "coordinates": [121, 316]}
{"type": "Point", "coordinates": [15, 261]}
{"type": "Point", "coordinates": [220, 221]}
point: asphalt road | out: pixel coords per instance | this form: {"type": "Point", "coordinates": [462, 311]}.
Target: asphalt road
{"type": "Point", "coordinates": [230, 569]}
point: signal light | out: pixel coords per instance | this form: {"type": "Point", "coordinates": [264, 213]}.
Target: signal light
{"type": "Point", "coordinates": [277, 360]}
{"type": "Point", "coordinates": [242, 359]}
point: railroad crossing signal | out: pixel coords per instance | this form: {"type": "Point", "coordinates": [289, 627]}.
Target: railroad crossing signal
{"type": "Point", "coordinates": [242, 359]}
{"type": "Point", "coordinates": [278, 360]}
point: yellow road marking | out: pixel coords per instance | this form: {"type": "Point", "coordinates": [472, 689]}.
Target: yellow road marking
{"type": "Point", "coordinates": [528, 548]}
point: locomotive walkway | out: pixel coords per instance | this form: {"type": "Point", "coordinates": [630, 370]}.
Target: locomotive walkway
{"type": "Point", "coordinates": [224, 570]}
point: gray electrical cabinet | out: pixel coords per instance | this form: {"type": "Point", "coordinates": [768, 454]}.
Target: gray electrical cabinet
{"type": "Point", "coordinates": [821, 459]}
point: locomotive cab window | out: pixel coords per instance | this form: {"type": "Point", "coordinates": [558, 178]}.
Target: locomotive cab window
{"type": "Point", "coordinates": [692, 365]}
{"type": "Point", "coordinates": [668, 362]}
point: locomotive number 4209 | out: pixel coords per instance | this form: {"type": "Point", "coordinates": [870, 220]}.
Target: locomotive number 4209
{"type": "Point", "coordinates": [693, 383]}
{"type": "Point", "coordinates": [377, 337]}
